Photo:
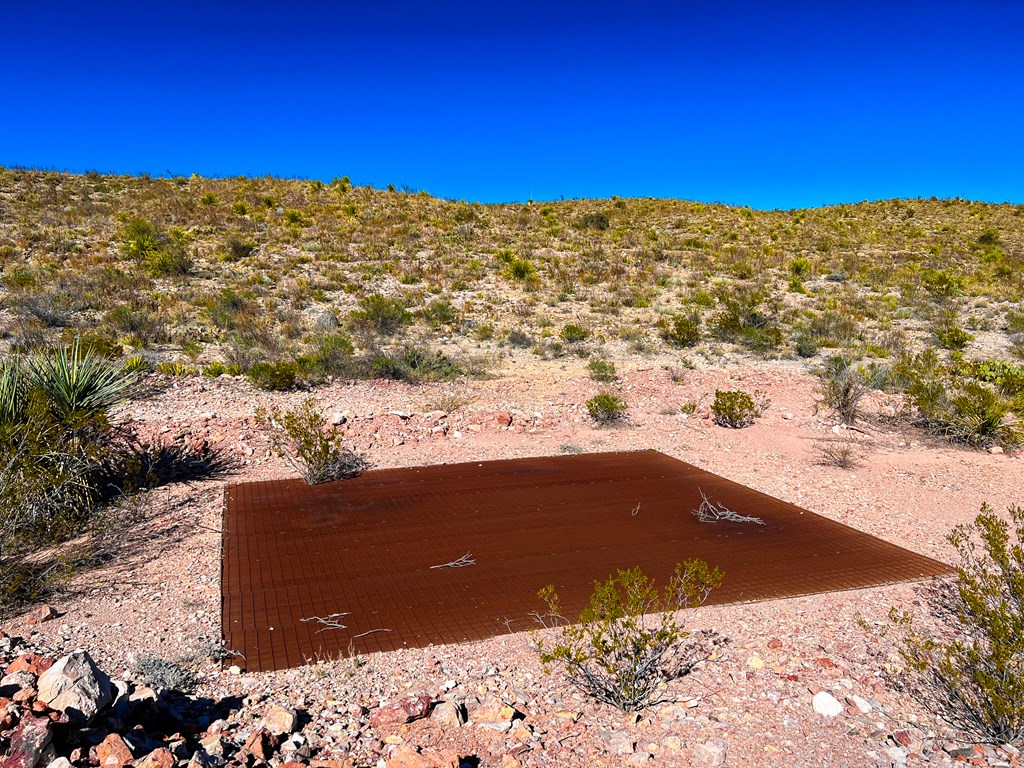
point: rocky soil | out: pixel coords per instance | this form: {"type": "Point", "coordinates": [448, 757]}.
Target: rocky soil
{"type": "Point", "coordinates": [798, 681]}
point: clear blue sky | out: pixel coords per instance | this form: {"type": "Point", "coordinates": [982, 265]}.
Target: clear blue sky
{"type": "Point", "coordinates": [764, 104]}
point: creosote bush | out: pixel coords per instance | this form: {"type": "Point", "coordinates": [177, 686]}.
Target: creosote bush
{"type": "Point", "coordinates": [629, 640]}
{"type": "Point", "coordinates": [304, 439]}
{"type": "Point", "coordinates": [606, 408]}
{"type": "Point", "coordinates": [681, 330]}
{"type": "Point", "coordinates": [737, 409]}
{"type": "Point", "coordinates": [972, 671]}
{"type": "Point", "coordinates": [601, 369]}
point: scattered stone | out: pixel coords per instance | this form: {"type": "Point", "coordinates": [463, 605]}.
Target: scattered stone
{"type": "Point", "coordinates": [158, 758]}
{"type": "Point", "coordinates": [826, 705]}
{"type": "Point", "coordinates": [281, 721]}
{"type": "Point", "coordinates": [401, 711]}
{"type": "Point", "coordinates": [755, 662]}
{"type": "Point", "coordinates": [41, 614]}
{"type": "Point", "coordinates": [618, 742]}
{"type": "Point", "coordinates": [448, 714]}
{"type": "Point", "coordinates": [29, 743]}
{"type": "Point", "coordinates": [32, 663]}
{"type": "Point", "coordinates": [911, 739]}
{"type": "Point", "coordinates": [493, 713]}
{"type": "Point", "coordinates": [261, 743]}
{"type": "Point", "coordinates": [60, 762]}
{"type": "Point", "coordinates": [711, 753]}
{"type": "Point", "coordinates": [75, 685]}
{"type": "Point", "coordinates": [863, 705]}
{"type": "Point", "coordinates": [408, 756]}
{"type": "Point", "coordinates": [113, 752]}
{"type": "Point", "coordinates": [995, 450]}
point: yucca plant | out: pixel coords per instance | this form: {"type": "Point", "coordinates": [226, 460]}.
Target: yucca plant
{"type": "Point", "coordinates": [13, 391]}
{"type": "Point", "coordinates": [77, 381]}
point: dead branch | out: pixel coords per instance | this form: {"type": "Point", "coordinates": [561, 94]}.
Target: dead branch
{"type": "Point", "coordinates": [466, 559]}
{"type": "Point", "coordinates": [330, 621]}
{"type": "Point", "coordinates": [710, 512]}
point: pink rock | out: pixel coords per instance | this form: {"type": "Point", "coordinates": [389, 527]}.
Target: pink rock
{"type": "Point", "coordinates": [401, 711]}
{"type": "Point", "coordinates": [41, 614]}
{"type": "Point", "coordinates": [33, 663]}
{"type": "Point", "coordinates": [113, 752]}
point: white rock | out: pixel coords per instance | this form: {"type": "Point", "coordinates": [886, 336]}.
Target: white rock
{"type": "Point", "coordinates": [826, 705]}
{"type": "Point", "coordinates": [75, 685]}
{"type": "Point", "coordinates": [862, 704]}
{"type": "Point", "coordinates": [995, 450]}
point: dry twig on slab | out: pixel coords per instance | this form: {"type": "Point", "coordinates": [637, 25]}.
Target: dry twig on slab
{"type": "Point", "coordinates": [711, 512]}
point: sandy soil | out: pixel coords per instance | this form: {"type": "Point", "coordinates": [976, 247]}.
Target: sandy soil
{"type": "Point", "coordinates": [160, 595]}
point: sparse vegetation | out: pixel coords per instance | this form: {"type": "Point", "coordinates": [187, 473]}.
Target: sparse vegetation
{"type": "Point", "coordinates": [304, 438]}
{"type": "Point", "coordinates": [606, 408]}
{"type": "Point", "coordinates": [737, 409]}
{"type": "Point", "coordinates": [630, 638]}
{"type": "Point", "coordinates": [971, 671]}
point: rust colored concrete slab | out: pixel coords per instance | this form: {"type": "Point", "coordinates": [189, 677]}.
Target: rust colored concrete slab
{"type": "Point", "coordinates": [364, 550]}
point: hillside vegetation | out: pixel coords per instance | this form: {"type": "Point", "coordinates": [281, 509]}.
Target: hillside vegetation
{"type": "Point", "coordinates": [304, 279]}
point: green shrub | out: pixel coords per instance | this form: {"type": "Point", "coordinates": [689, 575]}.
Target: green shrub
{"type": "Point", "coordinates": [415, 363]}
{"type": "Point", "coordinates": [519, 339]}
{"type": "Point", "coordinates": [800, 268]}
{"type": "Point", "coordinates": [601, 369]}
{"type": "Point", "coordinates": [972, 413]}
{"type": "Point", "coordinates": [594, 220]}
{"type": "Point", "coordinates": [280, 376]}
{"type": "Point", "coordinates": [439, 312]}
{"type": "Point", "coordinates": [681, 330]}
{"type": "Point", "coordinates": [213, 370]}
{"type": "Point", "coordinates": [973, 673]}
{"type": "Point", "coordinates": [521, 271]}
{"type": "Point", "coordinates": [574, 332]}
{"type": "Point", "coordinates": [736, 409]}
{"type": "Point", "coordinates": [629, 640]}
{"type": "Point", "coordinates": [953, 336]}
{"type": "Point", "coordinates": [79, 382]}
{"type": "Point", "coordinates": [380, 314]}
{"type": "Point", "coordinates": [161, 673]}
{"type": "Point", "coordinates": [304, 439]}
{"type": "Point", "coordinates": [606, 408]}
{"type": "Point", "coordinates": [747, 317]}
{"type": "Point", "coordinates": [334, 355]}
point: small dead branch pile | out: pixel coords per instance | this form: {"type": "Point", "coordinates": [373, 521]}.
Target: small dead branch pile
{"type": "Point", "coordinates": [711, 512]}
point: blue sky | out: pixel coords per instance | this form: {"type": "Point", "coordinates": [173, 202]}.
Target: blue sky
{"type": "Point", "coordinates": [762, 104]}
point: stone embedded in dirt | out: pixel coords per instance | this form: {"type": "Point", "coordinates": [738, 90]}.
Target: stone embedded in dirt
{"type": "Point", "coordinates": [911, 739]}
{"type": "Point", "coordinates": [995, 450]}
{"type": "Point", "coordinates": [448, 714]}
{"type": "Point", "coordinates": [826, 705]}
{"type": "Point", "coordinates": [711, 753]}
{"type": "Point", "coordinates": [32, 663]}
{"type": "Point", "coordinates": [261, 743]}
{"type": "Point", "coordinates": [281, 721]}
{"type": "Point", "coordinates": [75, 685]}
{"type": "Point", "coordinates": [114, 752]}
{"type": "Point", "coordinates": [863, 705]}
{"type": "Point", "coordinates": [407, 756]}
{"type": "Point", "coordinates": [28, 743]}
{"type": "Point", "coordinates": [41, 614]}
{"type": "Point", "coordinates": [502, 419]}
{"type": "Point", "coordinates": [158, 758]}
{"type": "Point", "coordinates": [495, 714]}
{"type": "Point", "coordinates": [618, 742]}
{"type": "Point", "coordinates": [401, 711]}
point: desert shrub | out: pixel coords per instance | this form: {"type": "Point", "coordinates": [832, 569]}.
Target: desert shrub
{"type": "Point", "coordinates": [952, 336]}
{"type": "Point", "coordinates": [333, 355]}
{"type": "Point", "coordinates": [845, 453]}
{"type": "Point", "coordinates": [606, 408]}
{"type": "Point", "coordinates": [161, 673]}
{"type": "Point", "coordinates": [941, 282]}
{"type": "Point", "coordinates": [162, 253]}
{"type": "Point", "coordinates": [737, 409]}
{"type": "Point", "coordinates": [594, 220]}
{"type": "Point", "coordinates": [842, 386]}
{"type": "Point", "coordinates": [277, 376]}
{"type": "Point", "coordinates": [439, 312]}
{"type": "Point", "coordinates": [629, 640]}
{"type": "Point", "coordinates": [972, 672]}
{"type": "Point", "coordinates": [236, 249]}
{"type": "Point", "coordinates": [574, 332]}
{"type": "Point", "coordinates": [415, 363]}
{"type": "Point", "coordinates": [380, 314]}
{"type": "Point", "coordinates": [601, 369]}
{"type": "Point", "coordinates": [831, 328]}
{"type": "Point", "coordinates": [800, 268]}
{"type": "Point", "coordinates": [77, 381]}
{"type": "Point", "coordinates": [972, 413]}
{"type": "Point", "coordinates": [213, 370]}
{"type": "Point", "coordinates": [747, 317]}
{"type": "Point", "coordinates": [521, 270]}
{"type": "Point", "coordinates": [680, 330]}
{"type": "Point", "coordinates": [519, 339]}
{"type": "Point", "coordinates": [304, 439]}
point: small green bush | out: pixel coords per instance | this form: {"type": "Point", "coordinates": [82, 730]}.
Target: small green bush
{"type": "Point", "coordinates": [519, 339]}
{"type": "Point", "coordinates": [521, 270]}
{"type": "Point", "coordinates": [737, 409]}
{"type": "Point", "coordinates": [380, 314]}
{"type": "Point", "coordinates": [415, 363]}
{"type": "Point", "coordinates": [629, 639]}
{"type": "Point", "coordinates": [601, 369]}
{"type": "Point", "coordinates": [800, 268]}
{"type": "Point", "coordinates": [953, 337]}
{"type": "Point", "coordinates": [304, 439]}
{"type": "Point", "coordinates": [574, 332]}
{"type": "Point", "coordinates": [606, 408]}
{"type": "Point", "coordinates": [681, 330]}
{"type": "Point", "coordinates": [439, 312]}
{"type": "Point", "coordinates": [973, 673]}
{"type": "Point", "coordinates": [594, 220]}
{"type": "Point", "coordinates": [280, 376]}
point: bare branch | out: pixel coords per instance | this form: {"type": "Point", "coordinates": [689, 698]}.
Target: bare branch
{"type": "Point", "coordinates": [466, 559]}
{"type": "Point", "coordinates": [711, 512]}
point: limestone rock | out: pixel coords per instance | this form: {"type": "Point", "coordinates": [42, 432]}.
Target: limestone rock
{"type": "Point", "coordinates": [401, 711]}
{"type": "Point", "coordinates": [711, 753]}
{"type": "Point", "coordinates": [281, 721]}
{"type": "Point", "coordinates": [448, 714]}
{"type": "Point", "coordinates": [826, 705]}
{"type": "Point", "coordinates": [75, 685]}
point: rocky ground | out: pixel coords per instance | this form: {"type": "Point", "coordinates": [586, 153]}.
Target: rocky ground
{"type": "Point", "coordinates": [797, 680]}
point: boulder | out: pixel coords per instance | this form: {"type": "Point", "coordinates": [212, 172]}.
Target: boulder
{"type": "Point", "coordinates": [158, 758]}
{"type": "Point", "coordinates": [401, 711]}
{"type": "Point", "coordinates": [13, 682]}
{"type": "Point", "coordinates": [447, 714]}
{"type": "Point", "coordinates": [75, 685]}
{"type": "Point", "coordinates": [494, 713]}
